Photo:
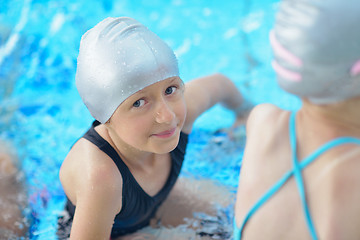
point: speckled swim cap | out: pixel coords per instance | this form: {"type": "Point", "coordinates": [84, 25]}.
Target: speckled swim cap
{"type": "Point", "coordinates": [316, 45]}
{"type": "Point", "coordinates": [117, 58]}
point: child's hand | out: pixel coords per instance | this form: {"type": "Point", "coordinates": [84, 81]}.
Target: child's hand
{"type": "Point", "coordinates": [237, 131]}
{"type": "Point", "coordinates": [242, 113]}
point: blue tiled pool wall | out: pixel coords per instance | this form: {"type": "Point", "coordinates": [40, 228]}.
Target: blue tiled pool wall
{"type": "Point", "coordinates": [42, 113]}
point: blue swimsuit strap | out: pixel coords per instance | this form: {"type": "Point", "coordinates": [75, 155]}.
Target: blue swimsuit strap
{"type": "Point", "coordinates": [296, 171]}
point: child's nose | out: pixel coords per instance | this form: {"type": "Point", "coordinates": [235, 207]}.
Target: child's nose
{"type": "Point", "coordinates": [164, 113]}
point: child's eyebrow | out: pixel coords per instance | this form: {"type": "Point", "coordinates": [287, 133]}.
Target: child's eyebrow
{"type": "Point", "coordinates": [140, 91]}
{"type": "Point", "coordinates": [174, 79]}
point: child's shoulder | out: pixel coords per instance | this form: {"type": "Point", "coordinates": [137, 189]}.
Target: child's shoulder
{"type": "Point", "coordinates": [86, 165]}
{"type": "Point", "coordinates": [266, 114]}
{"type": "Point", "coordinates": [83, 152]}
{"type": "Point", "coordinates": [265, 110]}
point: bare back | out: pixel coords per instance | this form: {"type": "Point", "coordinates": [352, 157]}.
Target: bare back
{"type": "Point", "coordinates": [330, 181]}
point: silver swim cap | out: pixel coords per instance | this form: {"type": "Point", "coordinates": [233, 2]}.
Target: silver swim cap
{"type": "Point", "coordinates": [316, 45]}
{"type": "Point", "coordinates": [117, 58]}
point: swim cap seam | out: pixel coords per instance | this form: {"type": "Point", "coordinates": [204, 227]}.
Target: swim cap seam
{"type": "Point", "coordinates": [126, 31]}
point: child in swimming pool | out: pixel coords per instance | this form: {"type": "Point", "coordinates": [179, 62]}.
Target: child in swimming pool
{"type": "Point", "coordinates": [300, 173]}
{"type": "Point", "coordinates": [124, 167]}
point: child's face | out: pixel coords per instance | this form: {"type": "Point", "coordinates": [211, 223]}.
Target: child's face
{"type": "Point", "coordinates": [151, 119]}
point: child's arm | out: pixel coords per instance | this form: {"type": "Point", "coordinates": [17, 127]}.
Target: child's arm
{"type": "Point", "coordinates": [95, 189]}
{"type": "Point", "coordinates": [94, 215]}
{"type": "Point", "coordinates": [203, 93]}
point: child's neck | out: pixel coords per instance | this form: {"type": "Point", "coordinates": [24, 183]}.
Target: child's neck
{"type": "Point", "coordinates": [342, 117]}
{"type": "Point", "coordinates": [134, 158]}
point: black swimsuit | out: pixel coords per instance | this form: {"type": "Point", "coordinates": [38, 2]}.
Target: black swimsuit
{"type": "Point", "coordinates": [137, 206]}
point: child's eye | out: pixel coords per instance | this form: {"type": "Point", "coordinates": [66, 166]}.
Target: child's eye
{"type": "Point", "coordinates": [139, 103]}
{"type": "Point", "coordinates": [170, 90]}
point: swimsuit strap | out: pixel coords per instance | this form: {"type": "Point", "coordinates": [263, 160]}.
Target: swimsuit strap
{"type": "Point", "coordinates": [299, 166]}
{"type": "Point", "coordinates": [94, 137]}
{"type": "Point", "coordinates": [298, 176]}
{"type": "Point", "coordinates": [296, 171]}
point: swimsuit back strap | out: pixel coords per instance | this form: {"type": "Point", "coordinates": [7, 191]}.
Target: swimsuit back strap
{"type": "Point", "coordinates": [298, 176]}
{"type": "Point", "coordinates": [297, 167]}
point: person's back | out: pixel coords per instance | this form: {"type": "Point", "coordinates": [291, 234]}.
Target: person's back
{"type": "Point", "coordinates": [299, 177]}
{"type": "Point", "coordinates": [331, 181]}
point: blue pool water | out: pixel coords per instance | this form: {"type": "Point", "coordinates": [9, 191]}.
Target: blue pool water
{"type": "Point", "coordinates": [42, 115]}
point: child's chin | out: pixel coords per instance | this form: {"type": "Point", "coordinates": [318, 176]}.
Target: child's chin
{"type": "Point", "coordinates": [169, 146]}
